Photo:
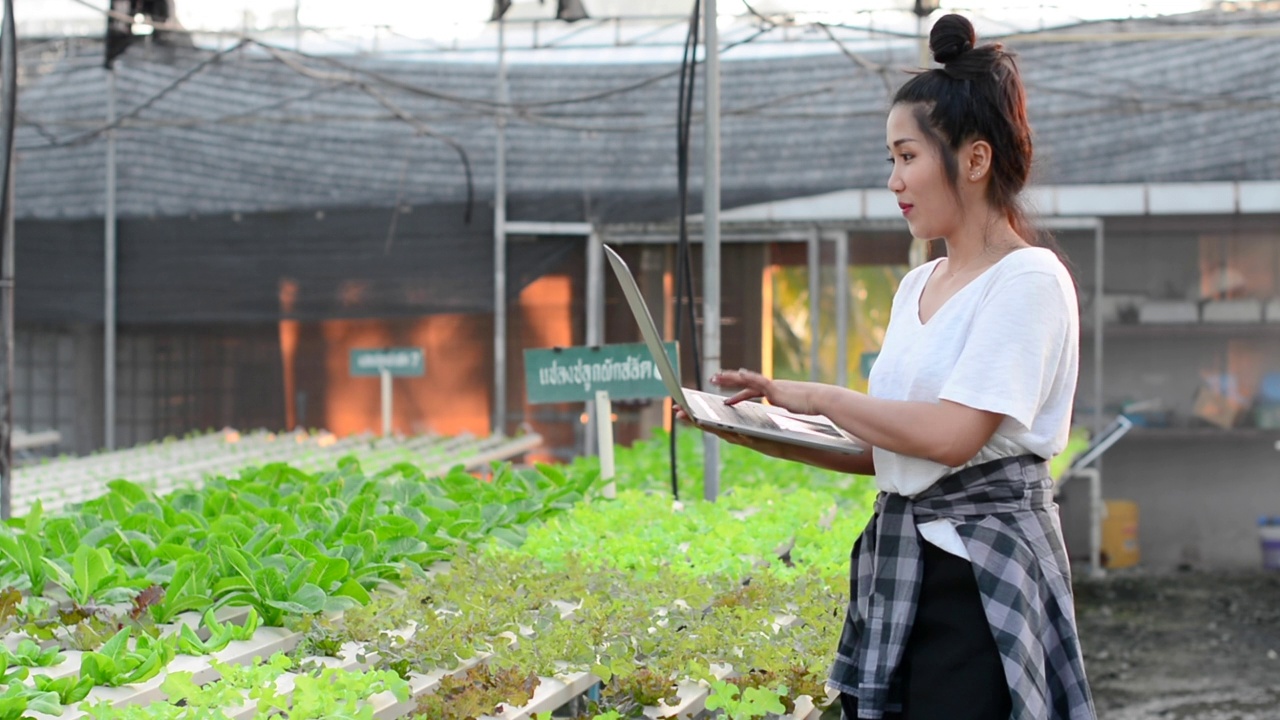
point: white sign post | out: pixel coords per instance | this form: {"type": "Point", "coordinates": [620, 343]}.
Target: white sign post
{"type": "Point", "coordinates": [386, 401]}
{"type": "Point", "coordinates": [386, 363]}
{"type": "Point", "coordinates": [604, 435]}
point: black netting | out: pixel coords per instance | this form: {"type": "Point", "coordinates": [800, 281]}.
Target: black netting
{"type": "Point", "coordinates": [268, 266]}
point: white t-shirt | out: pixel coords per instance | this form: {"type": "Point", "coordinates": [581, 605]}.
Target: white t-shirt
{"type": "Point", "coordinates": [1007, 342]}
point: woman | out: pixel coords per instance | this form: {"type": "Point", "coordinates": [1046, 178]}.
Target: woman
{"type": "Point", "coordinates": [961, 601]}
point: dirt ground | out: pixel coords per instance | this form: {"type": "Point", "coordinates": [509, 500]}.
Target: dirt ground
{"type": "Point", "coordinates": [1182, 645]}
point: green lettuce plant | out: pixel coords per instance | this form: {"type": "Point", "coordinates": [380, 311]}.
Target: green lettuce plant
{"type": "Point", "coordinates": [189, 590]}
{"type": "Point", "coordinates": [92, 576]}
{"type": "Point", "coordinates": [17, 700]}
{"type": "Point", "coordinates": [274, 588]}
{"type": "Point", "coordinates": [70, 689]}
{"type": "Point", "coordinates": [220, 634]}
{"type": "Point", "coordinates": [738, 704]}
{"type": "Point", "coordinates": [24, 560]}
{"type": "Point", "coordinates": [115, 663]}
{"type": "Point", "coordinates": [28, 653]}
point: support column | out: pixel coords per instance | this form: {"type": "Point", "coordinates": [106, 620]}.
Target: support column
{"type": "Point", "coordinates": [109, 278]}
{"type": "Point", "coordinates": [815, 300]}
{"type": "Point", "coordinates": [595, 323]}
{"type": "Point", "coordinates": [10, 45]}
{"type": "Point", "coordinates": [498, 424]}
{"type": "Point", "coordinates": [1099, 248]}
{"type": "Point", "coordinates": [711, 240]}
{"type": "Point", "coordinates": [841, 239]}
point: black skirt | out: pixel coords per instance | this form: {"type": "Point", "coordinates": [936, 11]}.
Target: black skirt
{"type": "Point", "coordinates": [950, 667]}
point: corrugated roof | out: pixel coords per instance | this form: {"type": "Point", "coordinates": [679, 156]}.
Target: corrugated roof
{"type": "Point", "coordinates": [249, 133]}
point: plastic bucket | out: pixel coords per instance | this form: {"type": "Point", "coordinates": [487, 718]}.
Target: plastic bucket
{"type": "Point", "coordinates": [1120, 534]}
{"type": "Point", "coordinates": [1269, 535]}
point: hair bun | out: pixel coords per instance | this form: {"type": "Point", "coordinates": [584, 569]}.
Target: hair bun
{"type": "Point", "coordinates": [952, 36]}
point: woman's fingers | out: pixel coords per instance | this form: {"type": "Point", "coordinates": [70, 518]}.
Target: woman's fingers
{"type": "Point", "coordinates": [731, 379]}
{"type": "Point", "coordinates": [741, 380]}
{"type": "Point", "coordinates": [742, 395]}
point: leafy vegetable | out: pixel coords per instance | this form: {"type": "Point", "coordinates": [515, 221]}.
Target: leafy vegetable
{"type": "Point", "coordinates": [26, 555]}
{"type": "Point", "coordinates": [746, 704]}
{"type": "Point", "coordinates": [30, 654]}
{"type": "Point", "coordinates": [115, 664]}
{"type": "Point", "coordinates": [70, 689]}
{"type": "Point", "coordinates": [91, 575]}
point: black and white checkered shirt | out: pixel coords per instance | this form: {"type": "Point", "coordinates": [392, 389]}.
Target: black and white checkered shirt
{"type": "Point", "coordinates": [1004, 515]}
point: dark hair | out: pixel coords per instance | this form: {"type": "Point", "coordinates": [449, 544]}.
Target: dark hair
{"type": "Point", "coordinates": [977, 94]}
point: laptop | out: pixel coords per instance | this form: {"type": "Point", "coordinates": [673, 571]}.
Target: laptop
{"type": "Point", "coordinates": [748, 418]}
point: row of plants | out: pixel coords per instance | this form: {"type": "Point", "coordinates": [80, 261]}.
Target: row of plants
{"type": "Point", "coordinates": [254, 690]}
{"type": "Point", "coordinates": [279, 541]}
{"type": "Point", "coordinates": [274, 523]}
{"type": "Point", "coordinates": [642, 592]}
{"type": "Point", "coordinates": [640, 638]}
{"type": "Point", "coordinates": [314, 450]}
{"type": "Point", "coordinates": [169, 465]}
{"type": "Point", "coordinates": [646, 465]}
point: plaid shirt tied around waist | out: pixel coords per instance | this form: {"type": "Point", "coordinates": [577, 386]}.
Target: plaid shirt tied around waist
{"type": "Point", "coordinates": [1005, 516]}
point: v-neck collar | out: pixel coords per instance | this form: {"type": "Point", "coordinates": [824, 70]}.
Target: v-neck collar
{"type": "Point", "coordinates": [937, 263]}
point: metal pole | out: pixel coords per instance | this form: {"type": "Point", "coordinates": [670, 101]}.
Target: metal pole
{"type": "Point", "coordinates": [1096, 504]}
{"type": "Point", "coordinates": [109, 278]}
{"type": "Point", "coordinates": [815, 297]}
{"type": "Point", "coordinates": [711, 239]}
{"type": "Point", "coordinates": [10, 83]}
{"type": "Point", "coordinates": [1096, 509]}
{"type": "Point", "coordinates": [842, 308]}
{"type": "Point", "coordinates": [6, 423]}
{"type": "Point", "coordinates": [923, 42]}
{"type": "Point", "coordinates": [499, 424]}
{"type": "Point", "coordinates": [386, 401]}
{"type": "Point", "coordinates": [595, 326]}
{"type": "Point", "coordinates": [1099, 246]}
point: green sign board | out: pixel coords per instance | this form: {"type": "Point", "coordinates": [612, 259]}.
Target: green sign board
{"type": "Point", "coordinates": [626, 372]}
{"type": "Point", "coordinates": [401, 362]}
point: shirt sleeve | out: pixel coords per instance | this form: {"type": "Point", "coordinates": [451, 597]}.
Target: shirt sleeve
{"type": "Point", "coordinates": [1014, 348]}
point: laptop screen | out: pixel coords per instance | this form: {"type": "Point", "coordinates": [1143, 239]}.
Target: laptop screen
{"type": "Point", "coordinates": [648, 329]}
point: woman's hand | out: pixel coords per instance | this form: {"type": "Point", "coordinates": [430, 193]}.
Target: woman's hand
{"type": "Point", "coordinates": [790, 395]}
{"type": "Point", "coordinates": [767, 447]}
{"type": "Point", "coordinates": [726, 435]}
{"type": "Point", "coordinates": [861, 464]}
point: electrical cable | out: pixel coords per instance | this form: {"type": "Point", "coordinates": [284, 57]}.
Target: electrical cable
{"type": "Point", "coordinates": [684, 262]}
{"type": "Point", "coordinates": [152, 100]}
{"type": "Point", "coordinates": [881, 70]}
{"type": "Point", "coordinates": [509, 107]}
{"type": "Point", "coordinates": [426, 92]}
{"type": "Point", "coordinates": [245, 117]}
{"type": "Point", "coordinates": [423, 129]}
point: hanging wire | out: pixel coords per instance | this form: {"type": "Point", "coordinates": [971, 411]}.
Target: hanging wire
{"type": "Point", "coordinates": [152, 100]}
{"type": "Point", "coordinates": [684, 261]}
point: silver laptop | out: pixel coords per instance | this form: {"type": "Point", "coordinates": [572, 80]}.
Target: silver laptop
{"type": "Point", "coordinates": [748, 418]}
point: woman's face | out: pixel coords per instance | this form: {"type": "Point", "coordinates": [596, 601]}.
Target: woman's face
{"type": "Point", "coordinates": [919, 177]}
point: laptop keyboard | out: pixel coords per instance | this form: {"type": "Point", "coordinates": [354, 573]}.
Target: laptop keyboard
{"type": "Point", "coordinates": [750, 414]}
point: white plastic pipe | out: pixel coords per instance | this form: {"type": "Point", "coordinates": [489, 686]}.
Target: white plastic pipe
{"type": "Point", "coordinates": [604, 433]}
